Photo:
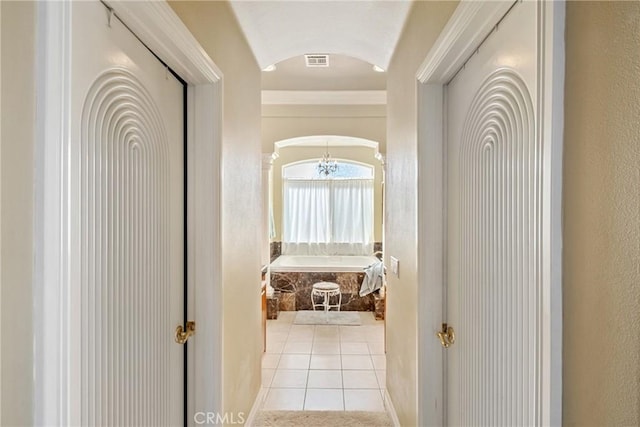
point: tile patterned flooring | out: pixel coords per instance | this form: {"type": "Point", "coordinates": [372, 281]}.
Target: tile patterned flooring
{"type": "Point", "coordinates": [324, 367]}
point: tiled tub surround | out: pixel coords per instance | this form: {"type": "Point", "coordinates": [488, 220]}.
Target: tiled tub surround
{"type": "Point", "coordinates": [293, 277]}
{"type": "Point", "coordinates": [295, 289]}
{"type": "Point", "coordinates": [380, 306]}
{"type": "Point", "coordinates": [377, 247]}
{"type": "Point", "coordinates": [275, 250]}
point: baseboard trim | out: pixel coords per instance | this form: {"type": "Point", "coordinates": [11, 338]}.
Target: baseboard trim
{"type": "Point", "coordinates": [391, 410]}
{"type": "Point", "coordinates": [257, 405]}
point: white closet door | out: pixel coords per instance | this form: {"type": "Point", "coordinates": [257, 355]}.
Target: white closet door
{"type": "Point", "coordinates": [128, 127]}
{"type": "Point", "coordinates": [494, 229]}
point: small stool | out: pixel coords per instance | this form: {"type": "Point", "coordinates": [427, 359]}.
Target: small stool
{"type": "Point", "coordinates": [326, 290]}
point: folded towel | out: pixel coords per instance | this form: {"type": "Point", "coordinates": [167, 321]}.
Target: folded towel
{"type": "Point", "coordinates": [373, 278]}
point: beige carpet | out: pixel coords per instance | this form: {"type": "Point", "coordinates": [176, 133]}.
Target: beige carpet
{"type": "Point", "coordinates": [322, 419]}
{"type": "Point", "coordinates": [310, 317]}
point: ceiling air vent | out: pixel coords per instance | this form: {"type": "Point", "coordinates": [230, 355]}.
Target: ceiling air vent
{"type": "Point", "coordinates": [316, 60]}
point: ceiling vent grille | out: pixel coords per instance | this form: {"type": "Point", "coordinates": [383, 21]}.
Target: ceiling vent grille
{"type": "Point", "coordinates": [317, 60]}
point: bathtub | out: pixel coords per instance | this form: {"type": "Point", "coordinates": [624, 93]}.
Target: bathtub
{"type": "Point", "coordinates": [308, 263]}
{"type": "Point", "coordinates": [294, 275]}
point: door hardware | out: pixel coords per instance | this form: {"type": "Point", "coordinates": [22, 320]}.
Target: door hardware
{"type": "Point", "coordinates": [447, 335]}
{"type": "Point", "coordinates": [183, 335]}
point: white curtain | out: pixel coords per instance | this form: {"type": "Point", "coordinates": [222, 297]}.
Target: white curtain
{"type": "Point", "coordinates": [328, 217]}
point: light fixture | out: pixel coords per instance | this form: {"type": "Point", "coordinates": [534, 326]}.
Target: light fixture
{"type": "Point", "coordinates": [326, 165]}
{"type": "Point", "coordinates": [269, 68]}
{"type": "Point", "coordinates": [378, 69]}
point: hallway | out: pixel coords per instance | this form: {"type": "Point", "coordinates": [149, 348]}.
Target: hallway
{"type": "Point", "coordinates": [242, 94]}
{"type": "Point", "coordinates": [324, 367]}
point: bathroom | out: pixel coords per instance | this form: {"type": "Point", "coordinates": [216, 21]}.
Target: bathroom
{"type": "Point", "coordinates": [299, 253]}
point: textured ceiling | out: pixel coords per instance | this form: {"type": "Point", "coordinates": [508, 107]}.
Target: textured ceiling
{"type": "Point", "coordinates": [279, 30]}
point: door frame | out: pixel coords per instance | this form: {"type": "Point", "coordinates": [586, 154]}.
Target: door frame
{"type": "Point", "coordinates": [56, 293]}
{"type": "Point", "coordinates": [467, 28]}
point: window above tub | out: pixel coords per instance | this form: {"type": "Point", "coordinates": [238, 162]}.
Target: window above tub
{"type": "Point", "coordinates": [308, 169]}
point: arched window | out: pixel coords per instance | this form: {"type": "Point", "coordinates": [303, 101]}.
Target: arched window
{"type": "Point", "coordinates": [345, 169]}
{"type": "Point", "coordinates": [327, 214]}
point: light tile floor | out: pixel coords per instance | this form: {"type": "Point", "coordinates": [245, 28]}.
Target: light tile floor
{"type": "Point", "coordinates": [324, 367]}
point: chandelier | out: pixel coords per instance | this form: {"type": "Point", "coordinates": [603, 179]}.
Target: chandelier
{"type": "Point", "coordinates": [326, 165]}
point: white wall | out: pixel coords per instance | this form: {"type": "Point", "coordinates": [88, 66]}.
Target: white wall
{"type": "Point", "coordinates": [424, 24]}
{"type": "Point", "coordinates": [18, 135]}
{"type": "Point", "coordinates": [215, 27]}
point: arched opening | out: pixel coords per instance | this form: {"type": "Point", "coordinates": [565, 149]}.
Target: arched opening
{"type": "Point", "coordinates": [297, 158]}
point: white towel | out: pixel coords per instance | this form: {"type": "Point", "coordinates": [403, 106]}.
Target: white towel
{"type": "Point", "coordinates": [373, 277]}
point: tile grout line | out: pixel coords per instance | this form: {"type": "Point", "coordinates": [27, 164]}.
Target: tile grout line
{"type": "Point", "coordinates": [341, 368]}
{"type": "Point", "coordinates": [306, 388]}
{"type": "Point", "coordinates": [344, 397]}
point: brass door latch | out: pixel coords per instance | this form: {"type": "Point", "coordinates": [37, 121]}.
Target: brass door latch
{"type": "Point", "coordinates": [183, 335]}
{"type": "Point", "coordinates": [447, 335]}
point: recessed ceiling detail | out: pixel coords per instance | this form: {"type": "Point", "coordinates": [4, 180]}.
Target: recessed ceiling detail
{"type": "Point", "coordinates": [278, 30]}
{"type": "Point", "coordinates": [343, 73]}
